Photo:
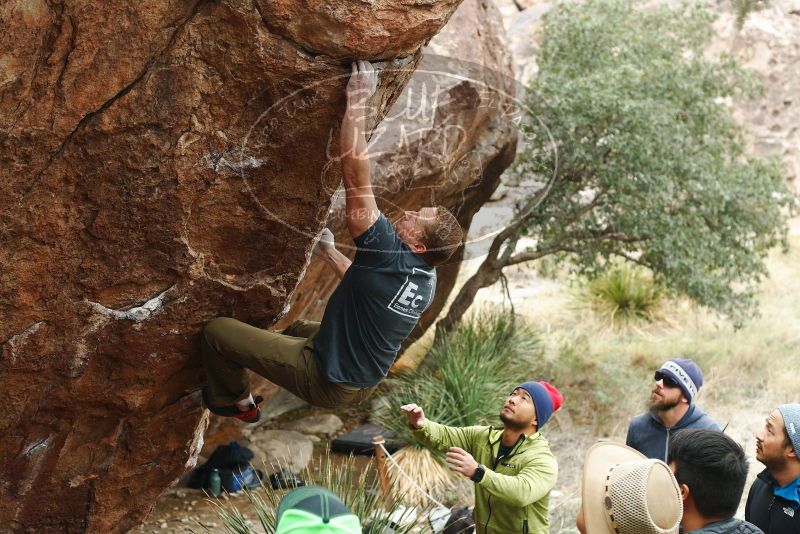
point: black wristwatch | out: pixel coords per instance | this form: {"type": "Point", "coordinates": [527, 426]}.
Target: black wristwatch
{"type": "Point", "coordinates": [479, 472]}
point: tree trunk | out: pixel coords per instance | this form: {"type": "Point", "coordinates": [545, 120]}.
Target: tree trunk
{"type": "Point", "coordinates": [488, 273]}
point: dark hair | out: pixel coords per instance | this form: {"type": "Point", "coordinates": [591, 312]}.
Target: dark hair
{"type": "Point", "coordinates": [713, 466]}
{"type": "Point", "coordinates": [442, 237]}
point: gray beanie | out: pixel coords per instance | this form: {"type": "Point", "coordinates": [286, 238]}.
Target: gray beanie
{"type": "Point", "coordinates": [791, 421]}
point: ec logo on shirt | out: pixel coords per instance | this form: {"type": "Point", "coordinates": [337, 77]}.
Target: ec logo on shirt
{"type": "Point", "coordinates": [412, 299]}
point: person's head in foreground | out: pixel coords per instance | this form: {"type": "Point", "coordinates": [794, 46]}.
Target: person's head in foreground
{"type": "Point", "coordinates": [778, 443]}
{"type": "Point", "coordinates": [677, 382]}
{"type": "Point", "coordinates": [530, 406]}
{"type": "Point", "coordinates": [432, 232]}
{"type": "Point", "coordinates": [313, 509]}
{"type": "Point", "coordinates": [625, 493]}
{"type": "Point", "coordinates": [711, 470]}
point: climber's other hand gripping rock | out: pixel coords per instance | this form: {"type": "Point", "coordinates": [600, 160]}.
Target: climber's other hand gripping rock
{"type": "Point", "coordinates": [363, 82]}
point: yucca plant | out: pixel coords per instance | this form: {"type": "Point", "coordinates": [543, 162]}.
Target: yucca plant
{"type": "Point", "coordinates": [623, 294]}
{"type": "Point", "coordinates": [464, 378]}
{"type": "Point", "coordinates": [360, 492]}
{"type": "Point", "coordinates": [462, 382]}
{"type": "Point", "coordinates": [423, 469]}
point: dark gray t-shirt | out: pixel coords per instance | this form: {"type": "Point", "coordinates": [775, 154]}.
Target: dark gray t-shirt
{"type": "Point", "coordinates": [373, 310]}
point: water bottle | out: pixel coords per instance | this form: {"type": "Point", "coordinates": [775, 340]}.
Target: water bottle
{"type": "Point", "coordinates": [214, 482]}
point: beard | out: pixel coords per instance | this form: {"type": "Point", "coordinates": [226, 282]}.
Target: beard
{"type": "Point", "coordinates": [663, 406]}
{"type": "Point", "coordinates": [774, 464]}
{"type": "Point", "coordinates": [510, 423]}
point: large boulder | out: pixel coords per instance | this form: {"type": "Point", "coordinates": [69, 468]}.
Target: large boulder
{"type": "Point", "coordinates": [161, 163]}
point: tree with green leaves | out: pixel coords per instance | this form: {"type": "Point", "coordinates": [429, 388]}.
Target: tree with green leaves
{"type": "Point", "coordinates": [632, 142]}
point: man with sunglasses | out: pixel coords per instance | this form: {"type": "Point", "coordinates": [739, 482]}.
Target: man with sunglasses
{"type": "Point", "coordinates": [672, 408]}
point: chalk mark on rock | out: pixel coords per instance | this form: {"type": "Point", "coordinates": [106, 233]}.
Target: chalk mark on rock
{"type": "Point", "coordinates": [136, 314]}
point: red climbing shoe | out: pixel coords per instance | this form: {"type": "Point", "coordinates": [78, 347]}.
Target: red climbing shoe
{"type": "Point", "coordinates": [251, 415]}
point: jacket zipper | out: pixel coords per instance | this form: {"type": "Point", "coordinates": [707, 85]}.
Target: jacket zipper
{"type": "Point", "coordinates": [666, 448]}
{"type": "Point", "coordinates": [769, 510]}
{"type": "Point", "coordinates": [488, 517]}
{"type": "Point", "coordinates": [494, 467]}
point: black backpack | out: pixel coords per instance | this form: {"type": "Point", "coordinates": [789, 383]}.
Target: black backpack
{"type": "Point", "coordinates": [460, 522]}
{"type": "Point", "coordinates": [231, 460]}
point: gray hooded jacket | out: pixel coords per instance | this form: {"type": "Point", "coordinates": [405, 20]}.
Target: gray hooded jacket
{"type": "Point", "coordinates": [648, 435]}
{"type": "Point", "coordinates": [729, 526]}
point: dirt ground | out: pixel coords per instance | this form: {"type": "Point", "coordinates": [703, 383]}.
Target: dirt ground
{"type": "Point", "coordinates": [184, 510]}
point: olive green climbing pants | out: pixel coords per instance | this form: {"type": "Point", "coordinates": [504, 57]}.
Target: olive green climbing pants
{"type": "Point", "coordinates": [230, 347]}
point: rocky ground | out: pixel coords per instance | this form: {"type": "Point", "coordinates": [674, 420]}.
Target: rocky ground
{"type": "Point", "coordinates": [298, 437]}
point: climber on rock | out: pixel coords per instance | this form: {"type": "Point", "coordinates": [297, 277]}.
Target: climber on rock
{"type": "Point", "coordinates": [382, 294]}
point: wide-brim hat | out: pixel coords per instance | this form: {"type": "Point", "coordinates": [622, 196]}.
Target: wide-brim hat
{"type": "Point", "coordinates": [625, 492]}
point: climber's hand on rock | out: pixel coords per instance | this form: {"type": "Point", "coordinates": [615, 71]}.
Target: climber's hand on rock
{"type": "Point", "coordinates": [362, 84]}
{"type": "Point", "coordinates": [325, 243]}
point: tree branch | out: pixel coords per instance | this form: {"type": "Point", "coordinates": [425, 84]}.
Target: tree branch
{"type": "Point", "coordinates": [631, 259]}
{"type": "Point", "coordinates": [604, 234]}
{"type": "Point", "coordinates": [522, 257]}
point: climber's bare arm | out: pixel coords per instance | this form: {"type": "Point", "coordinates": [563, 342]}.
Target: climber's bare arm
{"type": "Point", "coordinates": [326, 250]}
{"type": "Point", "coordinates": [360, 206]}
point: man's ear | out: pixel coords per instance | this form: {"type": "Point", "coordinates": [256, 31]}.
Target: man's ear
{"type": "Point", "coordinates": [684, 492]}
{"type": "Point", "coordinates": [419, 248]}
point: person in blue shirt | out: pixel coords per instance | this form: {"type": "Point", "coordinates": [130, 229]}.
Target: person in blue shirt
{"type": "Point", "coordinates": [773, 503]}
{"type": "Point", "coordinates": [672, 408]}
{"type": "Point", "coordinates": [382, 293]}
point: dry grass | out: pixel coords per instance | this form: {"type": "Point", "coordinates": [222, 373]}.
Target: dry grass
{"type": "Point", "coordinates": [428, 472]}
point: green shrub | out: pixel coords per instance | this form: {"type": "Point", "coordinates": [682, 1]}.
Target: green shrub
{"type": "Point", "coordinates": [623, 294]}
{"type": "Point", "coordinates": [464, 379]}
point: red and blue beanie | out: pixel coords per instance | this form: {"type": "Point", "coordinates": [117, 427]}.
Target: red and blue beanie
{"type": "Point", "coordinates": [686, 374]}
{"type": "Point", "coordinates": [546, 399]}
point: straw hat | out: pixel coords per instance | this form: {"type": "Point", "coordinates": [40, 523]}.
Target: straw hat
{"type": "Point", "coordinates": [626, 493]}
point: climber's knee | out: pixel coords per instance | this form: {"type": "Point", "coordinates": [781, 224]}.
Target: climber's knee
{"type": "Point", "coordinates": [215, 328]}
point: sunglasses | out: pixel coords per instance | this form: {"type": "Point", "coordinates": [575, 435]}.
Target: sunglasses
{"type": "Point", "coordinates": [668, 381]}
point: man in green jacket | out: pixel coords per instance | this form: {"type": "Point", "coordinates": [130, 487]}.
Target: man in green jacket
{"type": "Point", "coordinates": [512, 467]}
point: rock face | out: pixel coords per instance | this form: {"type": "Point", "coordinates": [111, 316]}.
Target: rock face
{"type": "Point", "coordinates": [161, 163]}
{"type": "Point", "coordinates": [768, 44]}
{"type": "Point", "coordinates": [446, 141]}
{"type": "Point", "coordinates": [353, 28]}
